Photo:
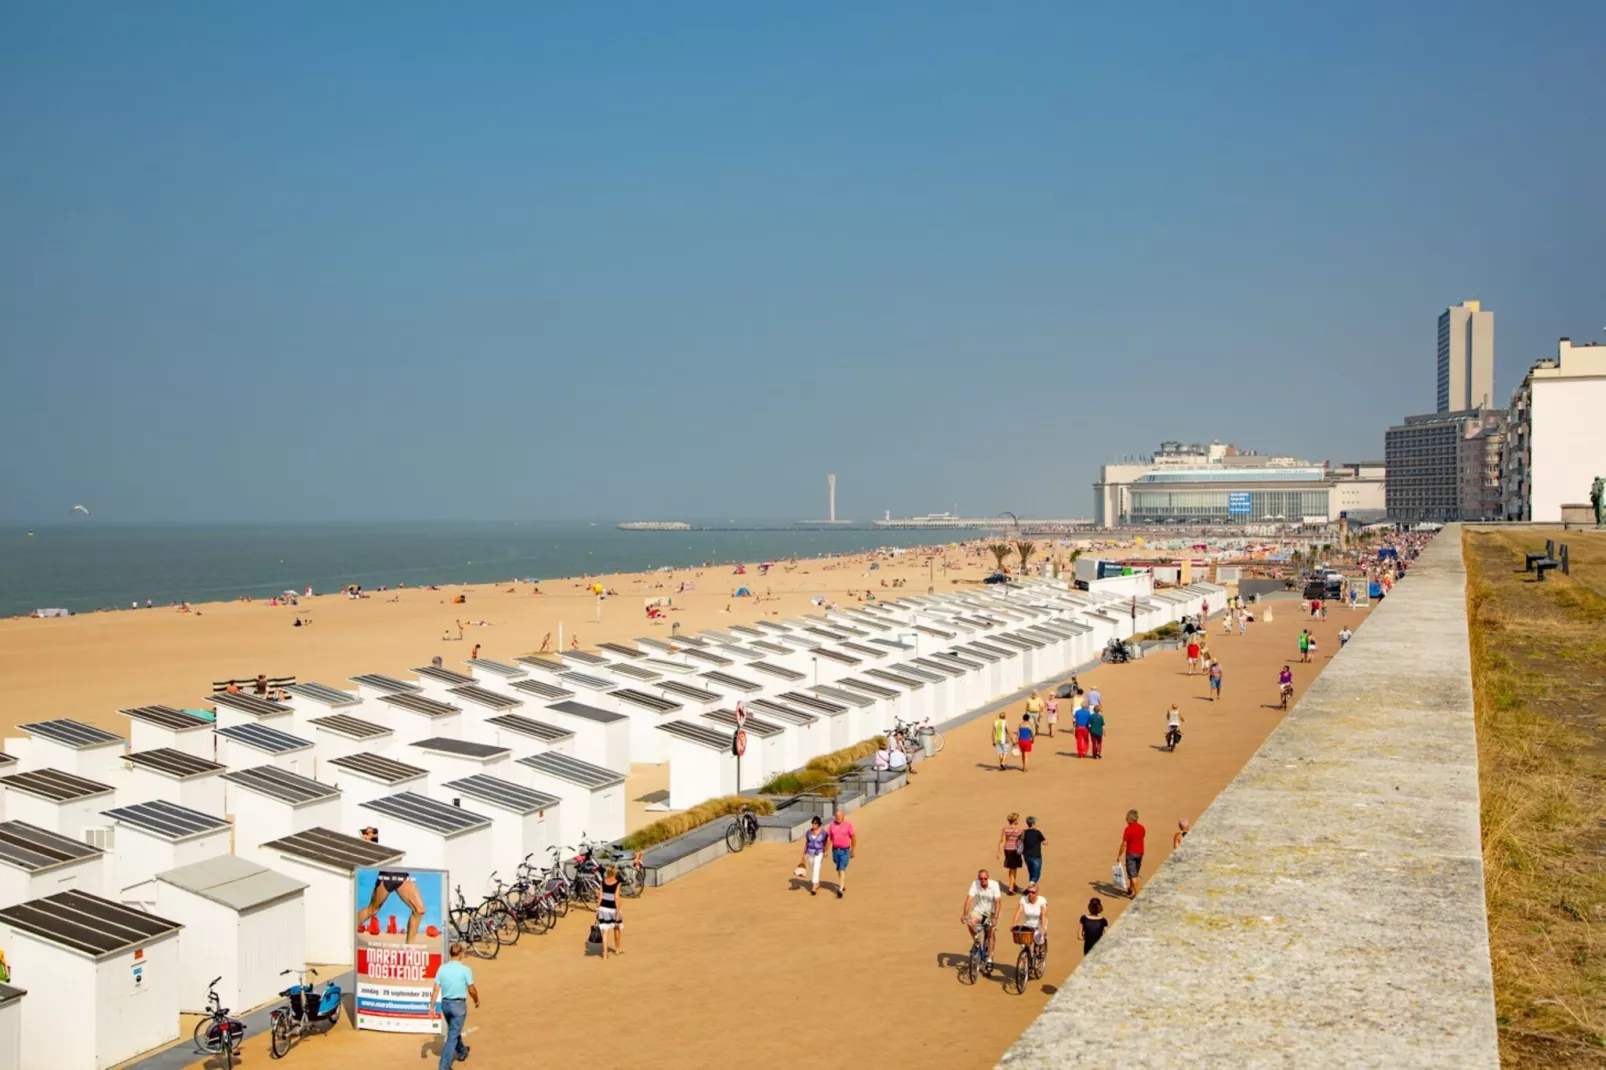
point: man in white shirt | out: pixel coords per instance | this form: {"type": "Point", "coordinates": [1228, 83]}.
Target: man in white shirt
{"type": "Point", "coordinates": [1343, 637]}
{"type": "Point", "coordinates": [981, 908]}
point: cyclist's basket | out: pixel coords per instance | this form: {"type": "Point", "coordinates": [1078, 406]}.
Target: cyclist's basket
{"type": "Point", "coordinates": [1023, 934]}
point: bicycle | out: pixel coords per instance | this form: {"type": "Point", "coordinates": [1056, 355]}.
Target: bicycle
{"type": "Point", "coordinates": [632, 873]}
{"type": "Point", "coordinates": [499, 912]}
{"type": "Point", "coordinates": [977, 962]}
{"type": "Point", "coordinates": [1173, 736]}
{"type": "Point", "coordinates": [473, 929]}
{"type": "Point", "coordinates": [1286, 695]}
{"type": "Point", "coordinates": [1033, 958]}
{"type": "Point", "coordinates": [306, 1010]}
{"type": "Point", "coordinates": [743, 831]}
{"type": "Point", "coordinates": [913, 732]}
{"type": "Point", "coordinates": [217, 1033]}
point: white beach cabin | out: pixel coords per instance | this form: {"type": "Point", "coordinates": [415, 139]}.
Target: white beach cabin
{"type": "Point", "coordinates": [525, 735]}
{"type": "Point", "coordinates": [11, 1026]}
{"type": "Point", "coordinates": [766, 752]}
{"type": "Point", "coordinates": [524, 821]}
{"type": "Point", "coordinates": [36, 862]}
{"type": "Point", "coordinates": [340, 734]}
{"type": "Point", "coordinates": [601, 737]}
{"type": "Point", "coordinates": [178, 777]}
{"type": "Point", "coordinates": [834, 715]}
{"type": "Point", "coordinates": [77, 748]}
{"type": "Point", "coordinates": [241, 920]}
{"type": "Point", "coordinates": [592, 796]}
{"type": "Point", "coordinates": [373, 686]}
{"type": "Point", "coordinates": [242, 709]}
{"type": "Point", "coordinates": [242, 746]}
{"type": "Point", "coordinates": [866, 715]}
{"type": "Point", "coordinates": [645, 743]}
{"type": "Point", "coordinates": [58, 802]}
{"type": "Point", "coordinates": [806, 735]}
{"type": "Point", "coordinates": [163, 727]}
{"type": "Point", "coordinates": [364, 777]}
{"type": "Point", "coordinates": [447, 759]}
{"type": "Point", "coordinates": [437, 682]}
{"type": "Point", "coordinates": [479, 705]}
{"type": "Point", "coordinates": [152, 837]}
{"type": "Point", "coordinates": [702, 765]}
{"type": "Point", "coordinates": [415, 717]}
{"type": "Point", "coordinates": [269, 803]}
{"type": "Point", "coordinates": [327, 862]}
{"type": "Point", "coordinates": [103, 980]}
{"type": "Point", "coordinates": [436, 835]}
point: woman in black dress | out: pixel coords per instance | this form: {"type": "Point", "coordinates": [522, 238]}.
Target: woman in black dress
{"type": "Point", "coordinates": [608, 917]}
{"type": "Point", "coordinates": [1093, 924]}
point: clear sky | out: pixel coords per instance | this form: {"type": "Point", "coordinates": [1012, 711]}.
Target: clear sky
{"type": "Point", "coordinates": [401, 260]}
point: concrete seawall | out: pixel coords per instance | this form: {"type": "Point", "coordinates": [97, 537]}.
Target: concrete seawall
{"type": "Point", "coordinates": [1327, 910]}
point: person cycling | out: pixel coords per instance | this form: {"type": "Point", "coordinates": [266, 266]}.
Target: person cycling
{"type": "Point", "coordinates": [1173, 726]}
{"type": "Point", "coordinates": [981, 908]}
{"type": "Point", "coordinates": [1032, 913]}
{"type": "Point", "coordinates": [1285, 684]}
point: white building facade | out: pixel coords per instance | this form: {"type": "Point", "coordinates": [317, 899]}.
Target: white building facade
{"type": "Point", "coordinates": [1554, 448]}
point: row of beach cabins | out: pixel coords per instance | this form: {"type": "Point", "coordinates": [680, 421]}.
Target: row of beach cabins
{"type": "Point", "coordinates": [141, 866]}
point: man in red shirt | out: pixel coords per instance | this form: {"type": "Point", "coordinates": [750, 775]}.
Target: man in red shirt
{"type": "Point", "coordinates": [1193, 656]}
{"type": "Point", "coordinates": [844, 843]}
{"type": "Point", "coordinates": [1131, 851]}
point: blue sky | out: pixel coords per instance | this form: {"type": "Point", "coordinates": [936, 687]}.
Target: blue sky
{"type": "Point", "coordinates": [343, 261]}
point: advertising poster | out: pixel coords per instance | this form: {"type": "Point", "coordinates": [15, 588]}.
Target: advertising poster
{"type": "Point", "coordinates": [401, 942]}
{"type": "Point", "coordinates": [1238, 503]}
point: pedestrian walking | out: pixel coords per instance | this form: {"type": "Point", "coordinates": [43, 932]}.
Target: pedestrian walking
{"type": "Point", "coordinates": [1001, 739]}
{"type": "Point", "coordinates": [1130, 852]}
{"type": "Point", "coordinates": [609, 920]}
{"type": "Point", "coordinates": [1304, 645]}
{"type": "Point", "coordinates": [1093, 924]}
{"type": "Point", "coordinates": [454, 987]}
{"type": "Point", "coordinates": [1181, 833]}
{"type": "Point", "coordinates": [1095, 732]}
{"type": "Point", "coordinates": [1215, 679]}
{"type": "Point", "coordinates": [813, 854]}
{"type": "Point", "coordinates": [1051, 714]}
{"type": "Point", "coordinates": [1193, 656]}
{"type": "Point", "coordinates": [1031, 850]}
{"type": "Point", "coordinates": [844, 843]}
{"type": "Point", "coordinates": [1344, 637]}
{"type": "Point", "coordinates": [1083, 737]}
{"type": "Point", "coordinates": [1024, 740]}
{"type": "Point", "coordinates": [1034, 709]}
{"type": "Point", "coordinates": [1095, 700]}
{"type": "Point", "coordinates": [1009, 849]}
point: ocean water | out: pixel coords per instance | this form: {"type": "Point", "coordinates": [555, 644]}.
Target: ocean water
{"type": "Point", "coordinates": [89, 566]}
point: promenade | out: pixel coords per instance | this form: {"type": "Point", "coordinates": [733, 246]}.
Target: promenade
{"type": "Point", "coordinates": [736, 965]}
{"type": "Point", "coordinates": [1328, 911]}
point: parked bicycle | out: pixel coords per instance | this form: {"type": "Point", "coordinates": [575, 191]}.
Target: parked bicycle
{"type": "Point", "coordinates": [1033, 957]}
{"type": "Point", "coordinates": [632, 873]}
{"type": "Point", "coordinates": [217, 1033]}
{"type": "Point", "coordinates": [308, 1011]}
{"type": "Point", "coordinates": [911, 736]}
{"type": "Point", "coordinates": [499, 912]}
{"type": "Point", "coordinates": [1117, 651]}
{"type": "Point", "coordinates": [742, 832]}
{"type": "Point", "coordinates": [473, 929]}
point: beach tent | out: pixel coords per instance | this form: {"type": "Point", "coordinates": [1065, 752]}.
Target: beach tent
{"type": "Point", "coordinates": [743, 592]}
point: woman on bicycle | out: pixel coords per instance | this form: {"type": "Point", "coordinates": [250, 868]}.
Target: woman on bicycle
{"type": "Point", "coordinates": [1032, 913]}
{"type": "Point", "coordinates": [813, 853]}
{"type": "Point", "coordinates": [1285, 685]}
{"type": "Point", "coordinates": [608, 917]}
{"type": "Point", "coordinates": [1009, 849]}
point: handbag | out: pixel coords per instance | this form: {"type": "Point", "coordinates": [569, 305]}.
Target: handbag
{"type": "Point", "coordinates": [595, 937]}
{"type": "Point", "coordinates": [1118, 871]}
{"type": "Point", "coordinates": [1014, 750]}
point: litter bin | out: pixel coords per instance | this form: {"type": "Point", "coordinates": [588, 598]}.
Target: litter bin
{"type": "Point", "coordinates": [928, 740]}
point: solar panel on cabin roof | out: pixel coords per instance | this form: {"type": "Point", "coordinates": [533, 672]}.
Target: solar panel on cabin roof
{"type": "Point", "coordinates": [809, 702]}
{"type": "Point", "coordinates": [864, 651]}
{"type": "Point", "coordinates": [837, 694]}
{"type": "Point", "coordinates": [696, 694]}
{"type": "Point", "coordinates": [672, 668]}
{"type": "Point", "coordinates": [756, 725]}
{"type": "Point", "coordinates": [581, 657]}
{"type": "Point", "coordinates": [707, 657]}
{"type": "Point", "coordinates": [503, 793]}
{"type": "Point", "coordinates": [635, 672]}
{"type": "Point", "coordinates": [542, 690]}
{"type": "Point", "coordinates": [463, 748]}
{"type": "Point", "coordinates": [735, 682]}
{"type": "Point", "coordinates": [528, 726]}
{"type": "Point", "coordinates": [419, 704]}
{"type": "Point", "coordinates": [573, 770]}
{"type": "Point", "coordinates": [33, 849]}
{"type": "Point", "coordinates": [415, 809]}
{"type": "Point", "coordinates": [500, 668]}
{"type": "Point", "coordinates": [343, 724]}
{"type": "Point", "coordinates": [491, 700]}
{"type": "Point", "coordinates": [329, 696]}
{"type": "Point", "coordinates": [87, 923]}
{"type": "Point", "coordinates": [741, 653]}
{"type": "Point", "coordinates": [867, 687]}
{"type": "Point", "coordinates": [778, 671]}
{"type": "Point", "coordinates": [381, 682]}
{"type": "Point", "coordinates": [166, 717]}
{"type": "Point", "coordinates": [445, 676]}
{"type": "Point", "coordinates": [902, 678]}
{"type": "Point", "coordinates": [173, 763]}
{"type": "Point", "coordinates": [590, 713]}
{"type": "Point", "coordinates": [55, 785]}
{"type": "Point", "coordinates": [263, 738]}
{"type": "Point", "coordinates": [257, 707]}
{"type": "Point", "coordinates": [334, 849]}
{"type": "Point", "coordinates": [622, 650]}
{"type": "Point", "coordinates": [780, 711]}
{"type": "Point", "coordinates": [593, 683]}
{"type": "Point", "coordinates": [70, 733]}
{"type": "Point", "coordinates": [169, 821]}
{"type": "Point", "coordinates": [641, 698]}
{"type": "Point", "coordinates": [837, 656]}
{"type": "Point", "coordinates": [378, 767]}
{"type": "Point", "coordinates": [702, 735]}
{"type": "Point", "coordinates": [281, 784]}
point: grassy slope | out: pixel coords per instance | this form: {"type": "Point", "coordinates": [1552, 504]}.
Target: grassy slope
{"type": "Point", "coordinates": [1539, 673]}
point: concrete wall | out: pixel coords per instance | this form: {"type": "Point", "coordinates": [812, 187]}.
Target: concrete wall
{"type": "Point", "coordinates": [1327, 910]}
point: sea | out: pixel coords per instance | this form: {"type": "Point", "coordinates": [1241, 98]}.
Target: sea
{"type": "Point", "coordinates": [91, 565]}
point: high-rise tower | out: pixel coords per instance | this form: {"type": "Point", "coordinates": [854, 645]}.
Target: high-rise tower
{"type": "Point", "coordinates": [1466, 358]}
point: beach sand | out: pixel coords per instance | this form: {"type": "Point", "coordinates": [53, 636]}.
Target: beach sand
{"type": "Point", "coordinates": [737, 965]}
{"type": "Point", "coordinates": [90, 666]}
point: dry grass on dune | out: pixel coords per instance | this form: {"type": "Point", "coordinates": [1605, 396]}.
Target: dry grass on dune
{"type": "Point", "coordinates": [1539, 675]}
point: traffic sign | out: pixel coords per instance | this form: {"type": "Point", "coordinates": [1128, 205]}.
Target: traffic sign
{"type": "Point", "coordinates": [739, 743]}
{"type": "Point", "coordinates": [741, 715]}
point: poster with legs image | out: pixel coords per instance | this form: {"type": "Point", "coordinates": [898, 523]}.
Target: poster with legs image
{"type": "Point", "coordinates": [400, 943]}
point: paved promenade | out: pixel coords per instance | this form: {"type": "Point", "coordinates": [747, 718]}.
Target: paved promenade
{"type": "Point", "coordinates": [1328, 908]}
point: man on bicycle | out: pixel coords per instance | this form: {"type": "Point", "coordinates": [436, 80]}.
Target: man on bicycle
{"type": "Point", "coordinates": [981, 908]}
{"type": "Point", "coordinates": [1285, 684]}
{"type": "Point", "coordinates": [1173, 724]}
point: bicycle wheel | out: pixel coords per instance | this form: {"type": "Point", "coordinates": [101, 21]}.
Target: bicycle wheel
{"type": "Point", "coordinates": [228, 1051]}
{"type": "Point", "coordinates": [505, 924]}
{"type": "Point", "coordinates": [203, 1041]}
{"type": "Point", "coordinates": [281, 1036]}
{"type": "Point", "coordinates": [734, 839]}
{"type": "Point", "coordinates": [1023, 966]}
{"type": "Point", "coordinates": [560, 901]}
{"type": "Point", "coordinates": [549, 914]}
{"type": "Point", "coordinates": [485, 932]}
{"type": "Point", "coordinates": [637, 882]}
{"type": "Point", "coordinates": [1040, 961]}
{"type": "Point", "coordinates": [473, 930]}
{"type": "Point", "coordinates": [969, 968]}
